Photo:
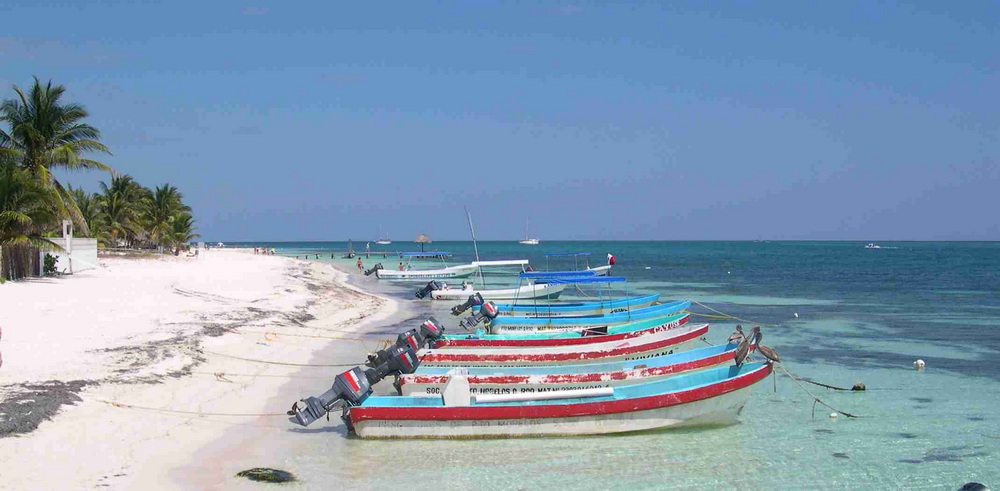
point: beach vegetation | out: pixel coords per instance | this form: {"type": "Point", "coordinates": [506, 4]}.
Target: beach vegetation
{"type": "Point", "coordinates": [27, 210]}
{"type": "Point", "coordinates": [41, 133]}
{"type": "Point", "coordinates": [44, 134]}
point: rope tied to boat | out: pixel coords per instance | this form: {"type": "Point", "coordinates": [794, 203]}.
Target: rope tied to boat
{"type": "Point", "coordinates": [727, 316]}
{"type": "Point", "coordinates": [123, 405]}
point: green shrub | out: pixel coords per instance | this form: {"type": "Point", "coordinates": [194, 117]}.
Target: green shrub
{"type": "Point", "coordinates": [49, 267]}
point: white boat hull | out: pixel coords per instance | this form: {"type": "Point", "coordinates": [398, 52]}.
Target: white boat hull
{"type": "Point", "coordinates": [601, 270]}
{"type": "Point", "coordinates": [720, 410]}
{"type": "Point", "coordinates": [463, 271]}
{"type": "Point", "coordinates": [524, 293]}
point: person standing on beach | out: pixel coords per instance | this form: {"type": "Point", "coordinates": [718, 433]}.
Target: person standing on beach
{"type": "Point", "coordinates": [361, 267]}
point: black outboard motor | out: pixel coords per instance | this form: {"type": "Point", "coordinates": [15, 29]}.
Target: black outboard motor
{"type": "Point", "coordinates": [431, 330]}
{"type": "Point", "coordinates": [373, 269]}
{"type": "Point", "coordinates": [433, 285]}
{"type": "Point", "coordinates": [488, 311]}
{"type": "Point", "coordinates": [474, 299]}
{"type": "Point", "coordinates": [352, 387]}
{"type": "Point", "coordinates": [415, 339]}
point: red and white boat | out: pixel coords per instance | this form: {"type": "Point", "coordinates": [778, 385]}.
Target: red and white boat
{"type": "Point", "coordinates": [647, 345]}
{"type": "Point", "coordinates": [541, 379]}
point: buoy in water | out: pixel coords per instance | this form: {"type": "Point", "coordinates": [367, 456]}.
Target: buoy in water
{"type": "Point", "coordinates": [796, 315]}
{"type": "Point", "coordinates": [833, 415]}
{"type": "Point", "coordinates": [859, 386]}
{"type": "Point", "coordinates": [919, 364]}
{"type": "Point", "coordinates": [647, 267]}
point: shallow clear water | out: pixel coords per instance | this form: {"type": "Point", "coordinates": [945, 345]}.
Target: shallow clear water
{"type": "Point", "coordinates": [864, 315]}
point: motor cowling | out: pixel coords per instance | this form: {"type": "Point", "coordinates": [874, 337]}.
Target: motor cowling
{"type": "Point", "coordinates": [373, 269]}
{"type": "Point", "coordinates": [474, 300]}
{"type": "Point", "coordinates": [487, 312]}
{"type": "Point", "coordinates": [431, 330]}
{"type": "Point", "coordinates": [411, 338]}
{"type": "Point", "coordinates": [426, 290]}
{"type": "Point", "coordinates": [398, 359]}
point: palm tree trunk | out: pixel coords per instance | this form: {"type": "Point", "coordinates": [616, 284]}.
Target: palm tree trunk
{"type": "Point", "coordinates": [18, 262]}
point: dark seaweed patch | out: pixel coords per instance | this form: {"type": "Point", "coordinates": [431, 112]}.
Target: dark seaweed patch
{"type": "Point", "coordinates": [264, 474]}
{"type": "Point", "coordinates": [823, 430]}
{"type": "Point", "coordinates": [906, 435]}
{"type": "Point", "coordinates": [840, 455]}
{"type": "Point", "coordinates": [975, 418]}
{"type": "Point", "coordinates": [922, 400]}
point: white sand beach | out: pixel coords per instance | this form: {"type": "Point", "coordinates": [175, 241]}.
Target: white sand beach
{"type": "Point", "coordinates": [156, 355]}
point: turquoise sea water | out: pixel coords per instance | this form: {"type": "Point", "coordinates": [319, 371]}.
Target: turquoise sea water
{"type": "Point", "coordinates": [863, 316]}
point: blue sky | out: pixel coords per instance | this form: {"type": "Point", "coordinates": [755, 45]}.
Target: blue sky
{"type": "Point", "coordinates": [320, 121]}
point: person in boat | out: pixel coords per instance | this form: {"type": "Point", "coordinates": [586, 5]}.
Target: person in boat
{"type": "Point", "coordinates": [611, 259]}
{"type": "Point", "coordinates": [361, 267]}
{"type": "Point", "coordinates": [401, 267]}
{"type": "Point", "coordinates": [368, 250]}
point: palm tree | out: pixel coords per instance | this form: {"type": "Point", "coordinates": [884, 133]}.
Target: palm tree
{"type": "Point", "coordinates": [182, 231]}
{"type": "Point", "coordinates": [89, 205]}
{"type": "Point", "coordinates": [166, 203]}
{"type": "Point", "coordinates": [122, 203]}
{"type": "Point", "coordinates": [46, 134]}
{"type": "Point", "coordinates": [26, 208]}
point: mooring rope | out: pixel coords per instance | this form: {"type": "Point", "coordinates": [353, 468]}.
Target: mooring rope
{"type": "Point", "coordinates": [301, 335]}
{"type": "Point", "coordinates": [191, 413]}
{"type": "Point", "coordinates": [727, 316]}
{"type": "Point", "coordinates": [279, 362]}
{"type": "Point", "coordinates": [815, 399]}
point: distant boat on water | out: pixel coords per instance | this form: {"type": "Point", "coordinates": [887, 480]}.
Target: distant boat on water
{"type": "Point", "coordinates": [872, 245]}
{"type": "Point", "coordinates": [382, 239]}
{"type": "Point", "coordinates": [527, 238]}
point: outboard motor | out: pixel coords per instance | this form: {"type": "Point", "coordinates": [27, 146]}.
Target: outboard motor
{"type": "Point", "coordinates": [474, 300]}
{"type": "Point", "coordinates": [352, 387]}
{"type": "Point", "coordinates": [415, 339]}
{"type": "Point", "coordinates": [373, 269]}
{"type": "Point", "coordinates": [487, 312]}
{"type": "Point", "coordinates": [433, 285]}
{"type": "Point", "coordinates": [431, 330]}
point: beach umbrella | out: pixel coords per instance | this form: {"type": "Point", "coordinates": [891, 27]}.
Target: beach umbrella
{"type": "Point", "coordinates": [422, 239]}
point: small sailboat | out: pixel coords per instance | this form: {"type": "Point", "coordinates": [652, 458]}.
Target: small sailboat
{"type": "Point", "coordinates": [382, 239]}
{"type": "Point", "coordinates": [527, 238]}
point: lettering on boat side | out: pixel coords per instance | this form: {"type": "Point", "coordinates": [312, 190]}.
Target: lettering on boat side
{"type": "Point", "coordinates": [477, 390]}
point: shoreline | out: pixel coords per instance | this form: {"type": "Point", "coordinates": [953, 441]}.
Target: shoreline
{"type": "Point", "coordinates": [170, 365]}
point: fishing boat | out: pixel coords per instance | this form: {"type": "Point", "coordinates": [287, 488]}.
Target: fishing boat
{"type": "Point", "coordinates": [527, 238]}
{"type": "Point", "coordinates": [509, 325]}
{"type": "Point", "coordinates": [576, 309]}
{"type": "Point", "coordinates": [382, 239]}
{"type": "Point", "coordinates": [526, 380]}
{"type": "Point", "coordinates": [709, 397]}
{"type": "Point", "coordinates": [480, 339]}
{"type": "Point", "coordinates": [646, 345]}
{"type": "Point", "coordinates": [526, 292]}
{"type": "Point", "coordinates": [581, 262]}
{"type": "Point", "coordinates": [460, 271]}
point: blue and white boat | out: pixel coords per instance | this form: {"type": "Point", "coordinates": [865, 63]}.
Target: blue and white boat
{"type": "Point", "coordinates": [576, 309]}
{"type": "Point", "coordinates": [502, 325]}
